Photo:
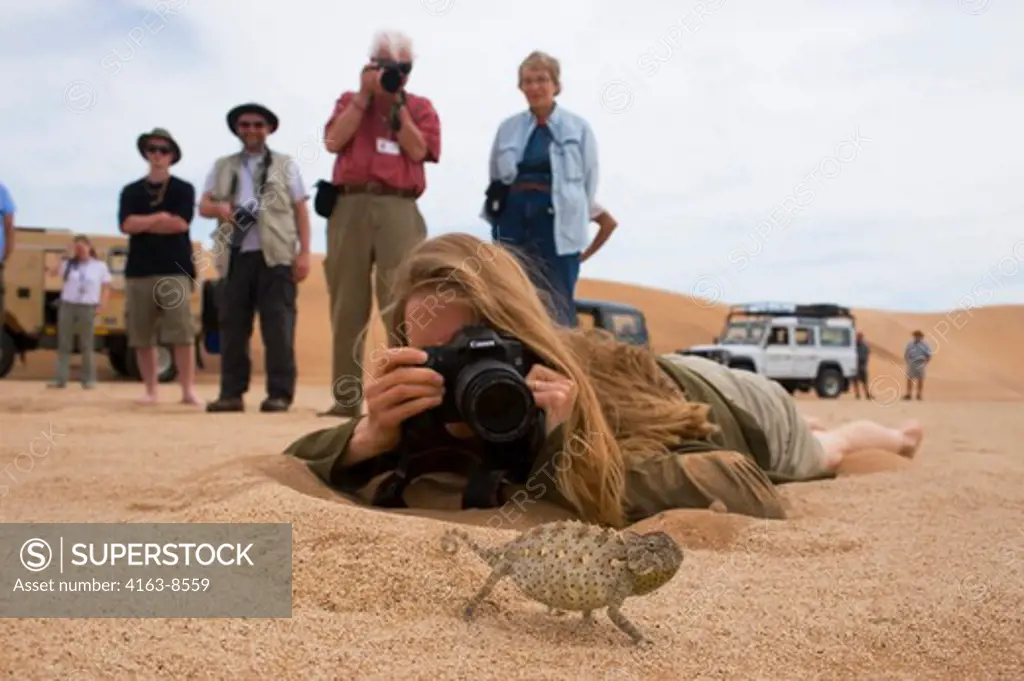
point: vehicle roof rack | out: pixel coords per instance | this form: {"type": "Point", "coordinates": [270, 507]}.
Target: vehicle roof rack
{"type": "Point", "coordinates": [779, 309]}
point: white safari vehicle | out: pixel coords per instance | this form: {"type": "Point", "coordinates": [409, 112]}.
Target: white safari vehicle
{"type": "Point", "coordinates": [799, 346]}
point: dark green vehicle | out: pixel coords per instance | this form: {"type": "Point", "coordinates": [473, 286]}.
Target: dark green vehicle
{"type": "Point", "coordinates": [625, 322]}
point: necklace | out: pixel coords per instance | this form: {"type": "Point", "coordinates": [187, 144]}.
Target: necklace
{"type": "Point", "coordinates": [157, 196]}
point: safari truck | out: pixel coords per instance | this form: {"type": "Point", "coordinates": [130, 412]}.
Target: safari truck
{"type": "Point", "coordinates": [801, 347]}
{"type": "Point", "coordinates": [33, 290]}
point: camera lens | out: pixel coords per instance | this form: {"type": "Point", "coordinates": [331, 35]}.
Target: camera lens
{"type": "Point", "coordinates": [391, 79]}
{"type": "Point", "coordinates": [494, 401]}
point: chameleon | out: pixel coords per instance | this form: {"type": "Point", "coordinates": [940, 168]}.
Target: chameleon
{"type": "Point", "coordinates": [576, 566]}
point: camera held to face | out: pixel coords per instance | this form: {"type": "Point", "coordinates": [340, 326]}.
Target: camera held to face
{"type": "Point", "coordinates": [392, 74]}
{"type": "Point", "coordinates": [484, 384]}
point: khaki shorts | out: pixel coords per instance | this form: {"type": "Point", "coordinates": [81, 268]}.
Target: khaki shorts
{"type": "Point", "coordinates": [795, 451]}
{"type": "Point", "coordinates": [158, 311]}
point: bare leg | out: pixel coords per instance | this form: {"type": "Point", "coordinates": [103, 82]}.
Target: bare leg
{"type": "Point", "coordinates": [185, 359]}
{"type": "Point", "coordinates": [920, 386]}
{"type": "Point", "coordinates": [857, 435]}
{"type": "Point", "coordinates": [814, 424]}
{"type": "Point", "coordinates": [146, 358]}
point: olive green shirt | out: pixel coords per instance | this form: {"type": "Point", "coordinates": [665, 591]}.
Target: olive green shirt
{"type": "Point", "coordinates": [729, 467]}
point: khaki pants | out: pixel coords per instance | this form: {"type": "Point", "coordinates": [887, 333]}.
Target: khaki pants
{"type": "Point", "coordinates": [75, 321]}
{"type": "Point", "coordinates": [364, 230]}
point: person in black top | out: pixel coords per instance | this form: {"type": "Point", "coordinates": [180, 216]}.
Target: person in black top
{"type": "Point", "coordinates": [156, 212]}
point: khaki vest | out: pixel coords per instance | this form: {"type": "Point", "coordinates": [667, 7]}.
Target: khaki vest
{"type": "Point", "coordinates": [278, 234]}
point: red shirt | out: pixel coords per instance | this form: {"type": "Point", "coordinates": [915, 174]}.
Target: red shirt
{"type": "Point", "coordinates": [359, 161]}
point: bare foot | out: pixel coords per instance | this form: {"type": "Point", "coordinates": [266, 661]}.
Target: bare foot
{"type": "Point", "coordinates": [913, 433]}
{"type": "Point", "coordinates": [814, 424]}
{"type": "Point", "coordinates": [146, 399]}
{"type": "Point", "coordinates": [191, 398]}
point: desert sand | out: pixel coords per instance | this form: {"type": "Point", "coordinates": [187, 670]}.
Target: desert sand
{"type": "Point", "coordinates": [894, 570]}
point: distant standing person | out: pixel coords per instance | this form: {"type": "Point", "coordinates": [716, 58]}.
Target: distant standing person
{"type": "Point", "coordinates": [6, 240]}
{"type": "Point", "coordinates": [84, 295]}
{"type": "Point", "coordinates": [917, 355]}
{"type": "Point", "coordinates": [383, 136]}
{"type": "Point", "coordinates": [543, 173]}
{"type": "Point", "coordinates": [156, 212]}
{"type": "Point", "coordinates": [861, 379]}
{"type": "Point", "coordinates": [259, 199]}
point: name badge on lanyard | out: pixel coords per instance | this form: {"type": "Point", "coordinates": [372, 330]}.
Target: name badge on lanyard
{"type": "Point", "coordinates": [389, 147]}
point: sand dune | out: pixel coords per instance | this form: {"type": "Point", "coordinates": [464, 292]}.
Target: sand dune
{"type": "Point", "coordinates": [895, 570]}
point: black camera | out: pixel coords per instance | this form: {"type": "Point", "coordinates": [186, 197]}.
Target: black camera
{"type": "Point", "coordinates": [484, 384]}
{"type": "Point", "coordinates": [392, 73]}
{"type": "Point", "coordinates": [243, 217]}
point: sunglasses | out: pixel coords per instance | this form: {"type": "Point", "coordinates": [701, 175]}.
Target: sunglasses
{"type": "Point", "coordinates": [158, 149]}
{"type": "Point", "coordinates": [403, 67]}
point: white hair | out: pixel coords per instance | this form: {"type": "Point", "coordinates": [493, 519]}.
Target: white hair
{"type": "Point", "coordinates": [393, 43]}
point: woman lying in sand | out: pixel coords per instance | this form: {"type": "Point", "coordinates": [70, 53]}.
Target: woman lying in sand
{"type": "Point", "coordinates": [629, 433]}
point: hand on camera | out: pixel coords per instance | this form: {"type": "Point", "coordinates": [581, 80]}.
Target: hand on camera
{"type": "Point", "coordinates": [369, 79]}
{"type": "Point", "coordinates": [553, 392]}
{"type": "Point", "coordinates": [225, 211]}
{"type": "Point", "coordinates": [399, 389]}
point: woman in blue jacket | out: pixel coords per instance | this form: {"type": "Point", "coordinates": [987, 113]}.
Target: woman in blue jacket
{"type": "Point", "coordinates": [543, 172]}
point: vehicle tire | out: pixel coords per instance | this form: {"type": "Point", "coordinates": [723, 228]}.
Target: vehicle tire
{"type": "Point", "coordinates": [829, 384]}
{"type": "Point", "coordinates": [119, 360]}
{"type": "Point", "coordinates": [166, 369]}
{"type": "Point", "coordinates": [8, 351]}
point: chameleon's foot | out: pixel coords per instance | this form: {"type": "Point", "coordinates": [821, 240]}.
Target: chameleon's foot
{"type": "Point", "coordinates": [616, 616]}
{"type": "Point", "coordinates": [643, 643]}
{"type": "Point", "coordinates": [469, 612]}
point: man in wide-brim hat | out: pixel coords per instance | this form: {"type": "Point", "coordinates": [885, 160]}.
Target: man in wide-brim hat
{"type": "Point", "coordinates": [262, 241]}
{"type": "Point", "coordinates": [252, 108]}
{"type": "Point", "coordinates": [151, 142]}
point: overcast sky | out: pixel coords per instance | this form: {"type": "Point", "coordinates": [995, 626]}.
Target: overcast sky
{"type": "Point", "coordinates": [867, 153]}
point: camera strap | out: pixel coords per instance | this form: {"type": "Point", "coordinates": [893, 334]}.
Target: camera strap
{"type": "Point", "coordinates": [484, 489]}
{"type": "Point", "coordinates": [257, 189]}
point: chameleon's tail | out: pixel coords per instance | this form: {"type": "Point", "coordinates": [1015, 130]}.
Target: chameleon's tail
{"type": "Point", "coordinates": [450, 544]}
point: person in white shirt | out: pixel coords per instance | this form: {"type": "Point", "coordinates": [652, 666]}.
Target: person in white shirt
{"type": "Point", "coordinates": [85, 293]}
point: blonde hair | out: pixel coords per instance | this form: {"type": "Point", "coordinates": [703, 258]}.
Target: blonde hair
{"type": "Point", "coordinates": [544, 62]}
{"type": "Point", "coordinates": [625, 406]}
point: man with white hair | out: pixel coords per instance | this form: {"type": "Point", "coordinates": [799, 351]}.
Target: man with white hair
{"type": "Point", "coordinates": [382, 135]}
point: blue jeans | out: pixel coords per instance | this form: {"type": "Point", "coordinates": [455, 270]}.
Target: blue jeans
{"type": "Point", "coordinates": [528, 225]}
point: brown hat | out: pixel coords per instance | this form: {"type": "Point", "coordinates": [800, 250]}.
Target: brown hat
{"type": "Point", "coordinates": [252, 108]}
{"type": "Point", "coordinates": [160, 133]}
